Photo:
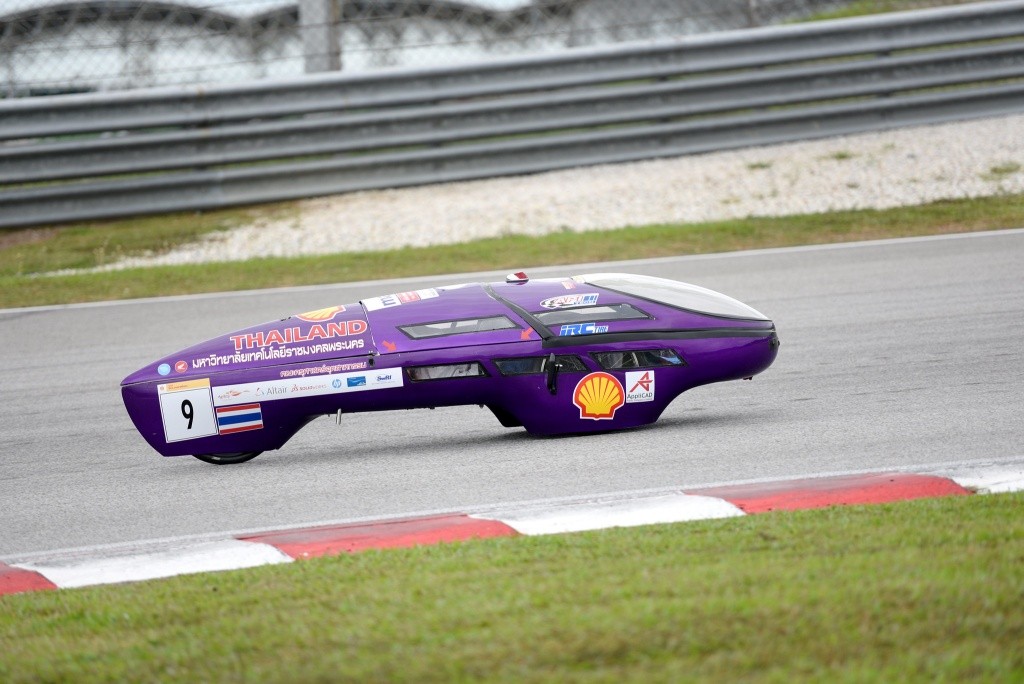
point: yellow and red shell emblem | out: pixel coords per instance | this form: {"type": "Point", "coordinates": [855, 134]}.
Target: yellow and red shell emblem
{"type": "Point", "coordinates": [598, 396]}
{"type": "Point", "coordinates": [319, 315]}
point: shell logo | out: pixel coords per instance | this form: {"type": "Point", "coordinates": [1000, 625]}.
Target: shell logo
{"type": "Point", "coordinates": [598, 396]}
{"type": "Point", "coordinates": [324, 314]}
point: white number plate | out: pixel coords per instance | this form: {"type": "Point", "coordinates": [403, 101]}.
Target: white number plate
{"type": "Point", "coordinates": [187, 410]}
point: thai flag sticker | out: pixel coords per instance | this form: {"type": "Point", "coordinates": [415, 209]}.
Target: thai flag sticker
{"type": "Point", "coordinates": [231, 419]}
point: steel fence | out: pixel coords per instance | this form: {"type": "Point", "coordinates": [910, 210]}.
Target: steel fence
{"type": "Point", "coordinates": [106, 155]}
{"type": "Point", "coordinates": [63, 46]}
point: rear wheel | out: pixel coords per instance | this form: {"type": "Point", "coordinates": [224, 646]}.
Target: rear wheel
{"type": "Point", "coordinates": [226, 459]}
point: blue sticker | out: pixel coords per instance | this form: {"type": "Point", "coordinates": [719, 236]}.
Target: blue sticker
{"type": "Point", "coordinates": [358, 381]}
{"type": "Point", "coordinates": [583, 329]}
{"type": "Point", "coordinates": [337, 383]}
{"type": "Point", "coordinates": [164, 369]}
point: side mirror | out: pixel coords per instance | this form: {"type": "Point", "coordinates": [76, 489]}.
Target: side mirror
{"type": "Point", "coordinates": [552, 374]}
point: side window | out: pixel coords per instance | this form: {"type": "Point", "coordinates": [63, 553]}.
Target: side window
{"type": "Point", "coordinates": [446, 371]}
{"type": "Point", "coordinates": [530, 365]}
{"type": "Point", "coordinates": [587, 314]}
{"type": "Point", "coordinates": [465, 325]}
{"type": "Point", "coordinates": [652, 358]}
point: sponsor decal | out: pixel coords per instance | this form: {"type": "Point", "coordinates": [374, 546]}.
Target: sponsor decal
{"type": "Point", "coordinates": [239, 418]}
{"type": "Point", "coordinates": [598, 396]}
{"type": "Point", "coordinates": [295, 334]}
{"type": "Point", "coordinates": [320, 315]}
{"type": "Point", "coordinates": [569, 284]}
{"type": "Point", "coordinates": [397, 299]}
{"type": "Point", "coordinates": [570, 300]}
{"type": "Point", "coordinates": [639, 386]}
{"type": "Point", "coordinates": [181, 366]}
{"type": "Point", "coordinates": [164, 369]}
{"type": "Point", "coordinates": [582, 329]}
{"type": "Point", "coordinates": [323, 368]}
{"type": "Point", "coordinates": [231, 394]}
{"type": "Point", "coordinates": [183, 386]}
{"type": "Point", "coordinates": [271, 390]}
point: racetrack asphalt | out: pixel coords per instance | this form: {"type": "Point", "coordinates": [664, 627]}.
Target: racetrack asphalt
{"type": "Point", "coordinates": [893, 353]}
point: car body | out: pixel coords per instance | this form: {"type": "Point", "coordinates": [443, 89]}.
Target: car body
{"type": "Point", "coordinates": [587, 353]}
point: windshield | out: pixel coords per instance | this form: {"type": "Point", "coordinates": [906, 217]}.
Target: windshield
{"type": "Point", "coordinates": [674, 293]}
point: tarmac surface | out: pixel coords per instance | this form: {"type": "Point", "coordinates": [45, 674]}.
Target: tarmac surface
{"type": "Point", "coordinates": [893, 353]}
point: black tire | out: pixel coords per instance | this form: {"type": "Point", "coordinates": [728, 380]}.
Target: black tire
{"type": "Point", "coordinates": [227, 459]}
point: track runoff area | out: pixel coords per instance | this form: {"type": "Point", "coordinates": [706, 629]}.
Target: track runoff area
{"type": "Point", "coordinates": [165, 558]}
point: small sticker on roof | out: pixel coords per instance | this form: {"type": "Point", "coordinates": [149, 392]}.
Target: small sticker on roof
{"type": "Point", "coordinates": [582, 329]}
{"type": "Point", "coordinates": [397, 299]}
{"type": "Point", "coordinates": [570, 300]}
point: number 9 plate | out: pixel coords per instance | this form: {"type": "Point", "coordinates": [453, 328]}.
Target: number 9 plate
{"type": "Point", "coordinates": [187, 410]}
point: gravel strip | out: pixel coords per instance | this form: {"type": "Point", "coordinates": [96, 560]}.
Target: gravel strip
{"type": "Point", "coordinates": [877, 170]}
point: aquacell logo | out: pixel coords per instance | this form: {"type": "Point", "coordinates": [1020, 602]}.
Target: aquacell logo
{"type": "Point", "coordinates": [598, 396]}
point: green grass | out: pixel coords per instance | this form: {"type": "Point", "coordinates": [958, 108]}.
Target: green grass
{"type": "Point", "coordinates": [842, 155]}
{"type": "Point", "coordinates": [929, 590]}
{"type": "Point", "coordinates": [86, 245]}
{"type": "Point", "coordinates": [29, 253]}
{"type": "Point", "coordinates": [860, 8]}
{"type": "Point", "coordinates": [1001, 171]}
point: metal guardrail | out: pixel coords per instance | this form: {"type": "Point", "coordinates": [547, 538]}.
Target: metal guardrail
{"type": "Point", "coordinates": [105, 156]}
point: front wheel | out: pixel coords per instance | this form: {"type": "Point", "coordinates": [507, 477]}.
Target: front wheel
{"type": "Point", "coordinates": [226, 459]}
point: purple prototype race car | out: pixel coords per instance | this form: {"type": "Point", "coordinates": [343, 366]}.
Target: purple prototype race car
{"type": "Point", "coordinates": [590, 353]}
